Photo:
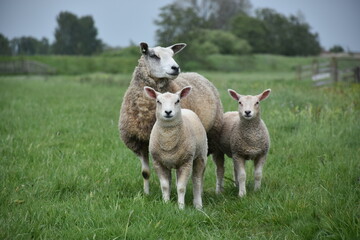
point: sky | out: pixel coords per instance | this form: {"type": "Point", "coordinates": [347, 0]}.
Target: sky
{"type": "Point", "coordinates": [120, 22]}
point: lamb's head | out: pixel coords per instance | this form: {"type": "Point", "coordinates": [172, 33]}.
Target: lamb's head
{"type": "Point", "coordinates": [249, 106]}
{"type": "Point", "coordinates": [168, 107]}
{"type": "Point", "coordinates": [160, 61]}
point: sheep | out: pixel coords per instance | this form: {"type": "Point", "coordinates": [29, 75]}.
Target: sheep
{"type": "Point", "coordinates": [244, 136]}
{"type": "Point", "coordinates": [177, 140]}
{"type": "Point", "coordinates": [157, 69]}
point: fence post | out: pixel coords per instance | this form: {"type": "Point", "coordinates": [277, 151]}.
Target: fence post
{"type": "Point", "coordinates": [357, 74]}
{"type": "Point", "coordinates": [334, 69]}
{"type": "Point", "coordinates": [298, 71]}
{"type": "Point", "coordinates": [315, 67]}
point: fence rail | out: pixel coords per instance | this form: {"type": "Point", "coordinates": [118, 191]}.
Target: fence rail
{"type": "Point", "coordinates": [25, 67]}
{"type": "Point", "coordinates": [328, 72]}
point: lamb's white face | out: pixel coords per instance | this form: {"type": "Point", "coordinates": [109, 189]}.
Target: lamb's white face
{"type": "Point", "coordinates": [160, 60]}
{"type": "Point", "coordinates": [167, 104]}
{"type": "Point", "coordinates": [249, 106]}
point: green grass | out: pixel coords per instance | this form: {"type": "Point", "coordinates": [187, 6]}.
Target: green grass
{"type": "Point", "coordinates": [66, 175]}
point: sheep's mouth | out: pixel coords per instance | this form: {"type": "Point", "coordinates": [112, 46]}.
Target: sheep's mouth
{"type": "Point", "coordinates": [248, 116]}
{"type": "Point", "coordinates": [168, 116]}
{"type": "Point", "coordinates": [173, 74]}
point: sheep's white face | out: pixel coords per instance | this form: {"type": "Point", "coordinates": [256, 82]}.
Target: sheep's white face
{"type": "Point", "coordinates": [167, 104]}
{"type": "Point", "coordinates": [160, 60]}
{"type": "Point", "coordinates": [249, 106]}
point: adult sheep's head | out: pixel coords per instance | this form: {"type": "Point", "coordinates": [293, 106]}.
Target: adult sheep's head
{"type": "Point", "coordinates": [160, 61]}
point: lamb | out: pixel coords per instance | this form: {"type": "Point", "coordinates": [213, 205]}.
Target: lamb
{"type": "Point", "coordinates": [177, 140]}
{"type": "Point", "coordinates": [157, 69]}
{"type": "Point", "coordinates": [244, 136]}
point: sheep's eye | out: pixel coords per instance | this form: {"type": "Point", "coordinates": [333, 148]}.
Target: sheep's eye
{"type": "Point", "coordinates": [177, 101]}
{"type": "Point", "coordinates": [154, 56]}
{"type": "Point", "coordinates": [257, 103]}
{"type": "Point", "coordinates": [240, 103]}
{"type": "Point", "coordinates": [158, 102]}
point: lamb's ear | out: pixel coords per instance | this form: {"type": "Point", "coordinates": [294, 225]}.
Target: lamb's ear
{"type": "Point", "coordinates": [264, 94]}
{"type": "Point", "coordinates": [144, 48]}
{"type": "Point", "coordinates": [234, 94]}
{"type": "Point", "coordinates": [177, 47]}
{"type": "Point", "coordinates": [184, 92]}
{"type": "Point", "coordinates": [150, 92]}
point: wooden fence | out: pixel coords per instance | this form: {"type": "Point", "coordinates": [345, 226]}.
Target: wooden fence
{"type": "Point", "coordinates": [328, 72]}
{"type": "Point", "coordinates": [25, 67]}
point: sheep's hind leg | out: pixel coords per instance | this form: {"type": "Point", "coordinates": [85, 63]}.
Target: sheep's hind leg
{"type": "Point", "coordinates": [259, 163]}
{"type": "Point", "coordinates": [145, 170]}
{"type": "Point", "coordinates": [183, 175]}
{"type": "Point", "coordinates": [197, 178]}
{"type": "Point", "coordinates": [218, 158]}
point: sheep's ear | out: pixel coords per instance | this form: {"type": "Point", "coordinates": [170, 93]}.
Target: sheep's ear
{"type": "Point", "coordinates": [184, 92]}
{"type": "Point", "coordinates": [144, 48]}
{"type": "Point", "coordinates": [264, 94]}
{"type": "Point", "coordinates": [234, 94]}
{"type": "Point", "coordinates": [177, 47]}
{"type": "Point", "coordinates": [150, 92]}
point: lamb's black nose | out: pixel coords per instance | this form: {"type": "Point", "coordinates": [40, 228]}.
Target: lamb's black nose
{"type": "Point", "coordinates": [168, 112]}
{"type": "Point", "coordinates": [247, 113]}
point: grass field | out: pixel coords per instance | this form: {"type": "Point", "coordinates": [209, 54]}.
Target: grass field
{"type": "Point", "coordinates": [66, 175]}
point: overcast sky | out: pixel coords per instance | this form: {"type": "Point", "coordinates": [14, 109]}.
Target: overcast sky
{"type": "Point", "coordinates": [121, 21]}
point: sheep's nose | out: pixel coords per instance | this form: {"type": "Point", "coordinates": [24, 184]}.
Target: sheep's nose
{"type": "Point", "coordinates": [168, 112]}
{"type": "Point", "coordinates": [175, 68]}
{"type": "Point", "coordinates": [247, 113]}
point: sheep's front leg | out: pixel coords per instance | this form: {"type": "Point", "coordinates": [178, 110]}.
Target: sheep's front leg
{"type": "Point", "coordinates": [164, 175]}
{"type": "Point", "coordinates": [259, 163]}
{"type": "Point", "coordinates": [145, 170]}
{"type": "Point", "coordinates": [198, 178]}
{"type": "Point", "coordinates": [218, 158]}
{"type": "Point", "coordinates": [183, 175]}
{"type": "Point", "coordinates": [239, 167]}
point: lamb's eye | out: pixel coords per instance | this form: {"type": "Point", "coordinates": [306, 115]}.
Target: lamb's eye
{"type": "Point", "coordinates": [240, 103]}
{"type": "Point", "coordinates": [158, 102]}
{"type": "Point", "coordinates": [257, 103]}
{"type": "Point", "coordinates": [177, 101]}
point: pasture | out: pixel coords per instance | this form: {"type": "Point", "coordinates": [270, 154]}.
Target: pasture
{"type": "Point", "coordinates": [65, 174]}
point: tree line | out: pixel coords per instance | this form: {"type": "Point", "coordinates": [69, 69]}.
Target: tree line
{"type": "Point", "coordinates": [73, 36]}
{"type": "Point", "coordinates": [209, 27]}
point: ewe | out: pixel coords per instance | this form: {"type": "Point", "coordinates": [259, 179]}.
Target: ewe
{"type": "Point", "coordinates": [158, 69]}
{"type": "Point", "coordinates": [177, 140]}
{"type": "Point", "coordinates": [244, 136]}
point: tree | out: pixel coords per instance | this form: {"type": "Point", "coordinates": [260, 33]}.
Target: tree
{"type": "Point", "coordinates": [29, 46]}
{"type": "Point", "coordinates": [288, 36]}
{"type": "Point", "coordinates": [4, 45]}
{"type": "Point", "coordinates": [181, 17]}
{"type": "Point", "coordinates": [336, 49]}
{"type": "Point", "coordinates": [251, 29]}
{"type": "Point", "coordinates": [76, 35]}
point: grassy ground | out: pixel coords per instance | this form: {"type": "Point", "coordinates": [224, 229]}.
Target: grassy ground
{"type": "Point", "coordinates": [66, 175]}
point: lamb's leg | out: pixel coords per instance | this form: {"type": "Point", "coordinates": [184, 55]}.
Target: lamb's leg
{"type": "Point", "coordinates": [218, 158]}
{"type": "Point", "coordinates": [259, 163]}
{"type": "Point", "coordinates": [164, 175]}
{"type": "Point", "coordinates": [183, 174]}
{"type": "Point", "coordinates": [239, 166]}
{"type": "Point", "coordinates": [197, 178]}
{"type": "Point", "coordinates": [145, 170]}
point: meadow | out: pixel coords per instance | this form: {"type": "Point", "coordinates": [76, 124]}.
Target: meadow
{"type": "Point", "coordinates": [65, 174]}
